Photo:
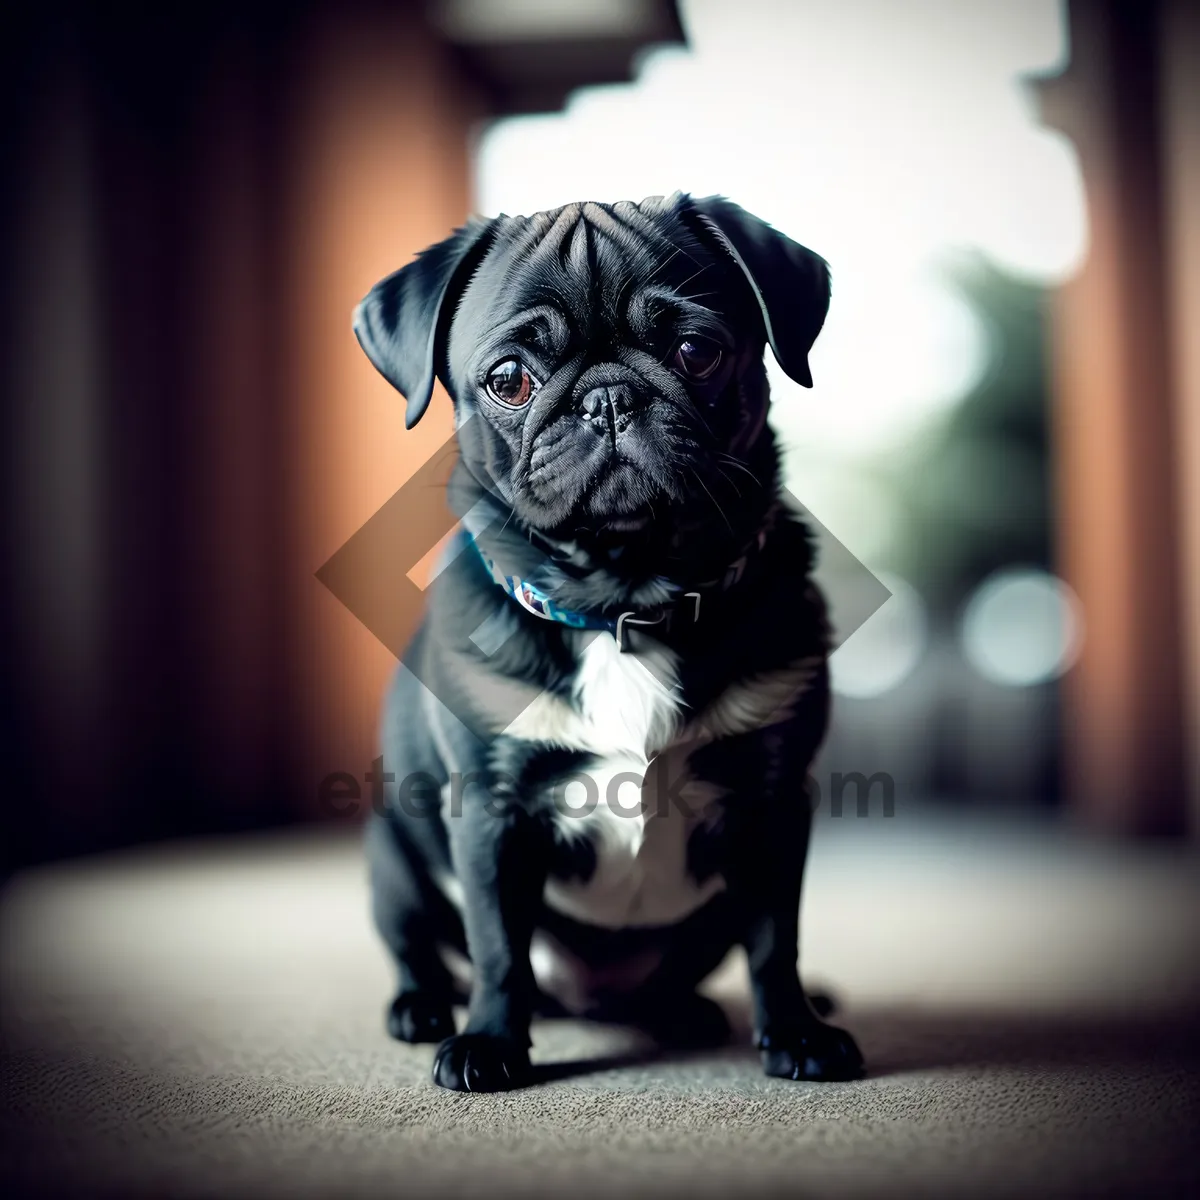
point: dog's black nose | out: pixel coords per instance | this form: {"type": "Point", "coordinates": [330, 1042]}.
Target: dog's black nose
{"type": "Point", "coordinates": [607, 407]}
{"type": "Point", "coordinates": [616, 398]}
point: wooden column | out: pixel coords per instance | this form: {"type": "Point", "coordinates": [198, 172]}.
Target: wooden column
{"type": "Point", "coordinates": [378, 168]}
{"type": "Point", "coordinates": [1180, 147]}
{"type": "Point", "coordinates": [194, 201]}
{"type": "Point", "coordinates": [1115, 431]}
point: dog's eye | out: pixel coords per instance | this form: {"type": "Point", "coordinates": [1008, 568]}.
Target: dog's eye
{"type": "Point", "coordinates": [697, 359]}
{"type": "Point", "coordinates": [510, 382]}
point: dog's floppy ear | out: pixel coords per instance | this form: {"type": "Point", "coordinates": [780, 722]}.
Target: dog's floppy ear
{"type": "Point", "coordinates": [790, 282]}
{"type": "Point", "coordinates": [401, 322]}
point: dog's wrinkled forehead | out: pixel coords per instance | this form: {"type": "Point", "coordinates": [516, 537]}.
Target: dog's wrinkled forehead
{"type": "Point", "coordinates": [598, 264]}
{"type": "Point", "coordinates": [582, 247]}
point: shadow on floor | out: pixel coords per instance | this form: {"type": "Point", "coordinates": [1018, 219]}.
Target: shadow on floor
{"type": "Point", "coordinates": [901, 1041]}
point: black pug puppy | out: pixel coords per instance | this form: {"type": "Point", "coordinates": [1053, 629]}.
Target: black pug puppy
{"type": "Point", "coordinates": [603, 728]}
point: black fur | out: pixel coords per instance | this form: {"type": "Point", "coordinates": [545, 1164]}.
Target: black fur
{"type": "Point", "coordinates": [620, 485]}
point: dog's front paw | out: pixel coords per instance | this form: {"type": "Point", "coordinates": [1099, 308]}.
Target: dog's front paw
{"type": "Point", "coordinates": [416, 1017]}
{"type": "Point", "coordinates": [821, 1052]}
{"type": "Point", "coordinates": [480, 1062]}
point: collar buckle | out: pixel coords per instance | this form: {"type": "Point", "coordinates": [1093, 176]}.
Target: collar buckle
{"type": "Point", "coordinates": [631, 618]}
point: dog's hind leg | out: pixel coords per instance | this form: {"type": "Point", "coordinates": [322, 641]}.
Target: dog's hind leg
{"type": "Point", "coordinates": [414, 919]}
{"type": "Point", "coordinates": [682, 1020]}
{"type": "Point", "coordinates": [667, 1005]}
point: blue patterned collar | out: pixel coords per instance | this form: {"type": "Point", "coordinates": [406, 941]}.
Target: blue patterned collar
{"type": "Point", "coordinates": [534, 600]}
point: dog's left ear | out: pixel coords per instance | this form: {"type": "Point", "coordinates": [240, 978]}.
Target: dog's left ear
{"type": "Point", "coordinates": [790, 282]}
{"type": "Point", "coordinates": [401, 323]}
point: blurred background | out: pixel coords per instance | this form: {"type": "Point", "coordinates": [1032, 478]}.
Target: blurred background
{"type": "Point", "coordinates": [1005, 426]}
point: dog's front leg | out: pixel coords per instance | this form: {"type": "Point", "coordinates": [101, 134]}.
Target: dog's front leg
{"type": "Point", "coordinates": [500, 853]}
{"type": "Point", "coordinates": [794, 1042]}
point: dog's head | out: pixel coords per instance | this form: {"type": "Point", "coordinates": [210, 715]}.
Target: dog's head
{"type": "Point", "coordinates": [609, 356]}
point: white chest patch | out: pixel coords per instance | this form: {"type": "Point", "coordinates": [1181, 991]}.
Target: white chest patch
{"type": "Point", "coordinates": [624, 705]}
{"type": "Point", "coordinates": [638, 804]}
{"type": "Point", "coordinates": [639, 818]}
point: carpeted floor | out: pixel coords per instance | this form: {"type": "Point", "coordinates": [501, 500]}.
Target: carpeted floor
{"type": "Point", "coordinates": [207, 1020]}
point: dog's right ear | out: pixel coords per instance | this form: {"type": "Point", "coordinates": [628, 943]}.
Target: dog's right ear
{"type": "Point", "coordinates": [789, 281]}
{"type": "Point", "coordinates": [401, 322]}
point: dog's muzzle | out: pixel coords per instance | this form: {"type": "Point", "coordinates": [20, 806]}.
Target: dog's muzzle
{"type": "Point", "coordinates": [608, 405]}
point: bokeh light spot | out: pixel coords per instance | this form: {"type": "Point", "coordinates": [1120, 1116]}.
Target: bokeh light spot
{"type": "Point", "coordinates": [885, 650]}
{"type": "Point", "coordinates": [1022, 627]}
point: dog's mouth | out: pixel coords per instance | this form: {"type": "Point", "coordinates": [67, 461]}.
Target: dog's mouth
{"type": "Point", "coordinates": [625, 524]}
{"type": "Point", "coordinates": [628, 524]}
{"type": "Point", "coordinates": [610, 535]}
{"type": "Point", "coordinates": [656, 493]}
{"type": "Point", "coordinates": [620, 490]}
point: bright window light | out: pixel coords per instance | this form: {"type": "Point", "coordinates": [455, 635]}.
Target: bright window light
{"type": "Point", "coordinates": [882, 134]}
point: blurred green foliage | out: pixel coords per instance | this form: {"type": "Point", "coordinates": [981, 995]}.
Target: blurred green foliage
{"type": "Point", "coordinates": [976, 487]}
